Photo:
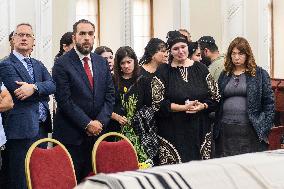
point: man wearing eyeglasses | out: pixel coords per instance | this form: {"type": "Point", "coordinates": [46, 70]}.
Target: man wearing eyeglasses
{"type": "Point", "coordinates": [30, 84]}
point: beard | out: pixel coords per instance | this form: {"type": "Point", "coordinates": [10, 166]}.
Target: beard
{"type": "Point", "coordinates": [84, 51]}
{"type": "Point", "coordinates": [205, 60]}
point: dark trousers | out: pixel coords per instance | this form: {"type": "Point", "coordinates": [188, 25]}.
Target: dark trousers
{"type": "Point", "coordinates": [82, 157]}
{"type": "Point", "coordinates": [17, 150]}
{"type": "Point", "coordinates": [4, 178]}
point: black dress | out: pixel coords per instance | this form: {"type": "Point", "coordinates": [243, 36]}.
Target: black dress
{"type": "Point", "coordinates": [128, 87]}
{"type": "Point", "coordinates": [146, 85]}
{"type": "Point", "coordinates": [184, 136]}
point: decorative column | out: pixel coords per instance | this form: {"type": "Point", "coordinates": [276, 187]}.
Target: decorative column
{"type": "Point", "coordinates": [234, 23]}
{"type": "Point", "coordinates": [43, 31]}
{"type": "Point", "coordinates": [181, 14]}
{"type": "Point", "coordinates": [7, 9]}
{"type": "Point", "coordinates": [184, 14]}
{"type": "Point", "coordinates": [126, 26]}
{"type": "Point", "coordinates": [264, 39]}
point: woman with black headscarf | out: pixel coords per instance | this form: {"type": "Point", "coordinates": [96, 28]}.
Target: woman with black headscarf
{"type": "Point", "coordinates": [184, 93]}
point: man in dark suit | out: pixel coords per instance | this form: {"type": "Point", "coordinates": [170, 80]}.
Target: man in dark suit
{"type": "Point", "coordinates": [30, 84]}
{"type": "Point", "coordinates": [84, 95]}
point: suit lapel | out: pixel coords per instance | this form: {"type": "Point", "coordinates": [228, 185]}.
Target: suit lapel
{"type": "Point", "coordinates": [76, 62]}
{"type": "Point", "coordinates": [22, 71]}
{"type": "Point", "coordinates": [95, 72]}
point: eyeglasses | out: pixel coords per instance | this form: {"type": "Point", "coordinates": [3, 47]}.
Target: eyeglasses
{"type": "Point", "coordinates": [240, 54]}
{"type": "Point", "coordinates": [21, 35]}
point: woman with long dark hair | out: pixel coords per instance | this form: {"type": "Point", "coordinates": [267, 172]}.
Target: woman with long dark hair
{"type": "Point", "coordinates": [129, 98]}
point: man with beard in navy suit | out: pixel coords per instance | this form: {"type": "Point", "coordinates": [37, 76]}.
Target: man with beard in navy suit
{"type": "Point", "coordinates": [84, 95]}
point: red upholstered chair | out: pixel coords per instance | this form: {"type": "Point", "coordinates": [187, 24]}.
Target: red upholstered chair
{"type": "Point", "coordinates": [111, 157]}
{"type": "Point", "coordinates": [49, 168]}
{"type": "Point", "coordinates": [274, 137]}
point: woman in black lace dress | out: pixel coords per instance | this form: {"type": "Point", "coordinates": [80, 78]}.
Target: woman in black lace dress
{"type": "Point", "coordinates": [184, 93]}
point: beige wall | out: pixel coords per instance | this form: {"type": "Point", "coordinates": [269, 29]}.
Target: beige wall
{"type": "Point", "coordinates": [251, 26]}
{"type": "Point", "coordinates": [63, 17]}
{"type": "Point", "coordinates": [110, 23]}
{"type": "Point", "coordinates": [25, 14]}
{"type": "Point", "coordinates": [163, 17]}
{"type": "Point", "coordinates": [21, 15]}
{"type": "Point", "coordinates": [278, 38]}
{"type": "Point", "coordinates": [205, 19]}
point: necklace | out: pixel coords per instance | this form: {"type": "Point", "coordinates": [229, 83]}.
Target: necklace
{"type": "Point", "coordinates": [236, 80]}
{"type": "Point", "coordinates": [239, 72]}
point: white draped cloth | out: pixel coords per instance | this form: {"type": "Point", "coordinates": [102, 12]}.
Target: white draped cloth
{"type": "Point", "coordinates": [262, 170]}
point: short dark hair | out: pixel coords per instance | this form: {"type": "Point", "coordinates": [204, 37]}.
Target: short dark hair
{"type": "Point", "coordinates": [11, 35]}
{"type": "Point", "coordinates": [79, 22]}
{"type": "Point", "coordinates": [208, 42]}
{"type": "Point", "coordinates": [23, 24]}
{"type": "Point", "coordinates": [101, 49]}
{"type": "Point", "coordinates": [65, 39]}
{"type": "Point", "coordinates": [192, 48]}
{"type": "Point", "coordinates": [153, 46]}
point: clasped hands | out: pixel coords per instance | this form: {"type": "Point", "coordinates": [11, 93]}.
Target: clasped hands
{"type": "Point", "coordinates": [24, 91]}
{"type": "Point", "coordinates": [194, 106]}
{"type": "Point", "coordinates": [94, 128]}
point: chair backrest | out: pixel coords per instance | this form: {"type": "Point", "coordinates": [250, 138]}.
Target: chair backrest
{"type": "Point", "coordinates": [49, 168]}
{"type": "Point", "coordinates": [278, 88]}
{"type": "Point", "coordinates": [111, 157]}
{"type": "Point", "coordinates": [274, 137]}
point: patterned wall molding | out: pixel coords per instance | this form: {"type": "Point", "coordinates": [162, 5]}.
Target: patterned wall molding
{"type": "Point", "coordinates": [7, 20]}
{"type": "Point", "coordinates": [234, 20]}
{"type": "Point", "coordinates": [264, 34]}
{"type": "Point", "coordinates": [184, 14]}
{"type": "Point", "coordinates": [126, 26]}
{"type": "Point", "coordinates": [43, 30]}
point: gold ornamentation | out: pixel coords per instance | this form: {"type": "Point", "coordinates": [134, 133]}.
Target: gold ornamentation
{"type": "Point", "coordinates": [158, 91]}
{"type": "Point", "coordinates": [184, 73]}
{"type": "Point", "coordinates": [213, 88]}
{"type": "Point", "coordinates": [205, 149]}
{"type": "Point", "coordinates": [168, 154]}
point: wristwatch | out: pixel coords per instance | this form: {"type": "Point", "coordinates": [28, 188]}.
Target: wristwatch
{"type": "Point", "coordinates": [35, 87]}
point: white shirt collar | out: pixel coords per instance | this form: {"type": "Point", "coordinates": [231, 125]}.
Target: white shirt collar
{"type": "Point", "coordinates": [19, 55]}
{"type": "Point", "coordinates": [81, 56]}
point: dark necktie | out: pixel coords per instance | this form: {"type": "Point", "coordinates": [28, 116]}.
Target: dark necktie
{"type": "Point", "coordinates": [88, 71]}
{"type": "Point", "coordinates": [42, 109]}
{"type": "Point", "coordinates": [30, 68]}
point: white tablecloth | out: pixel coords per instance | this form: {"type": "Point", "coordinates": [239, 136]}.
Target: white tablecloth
{"type": "Point", "coordinates": [263, 170]}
